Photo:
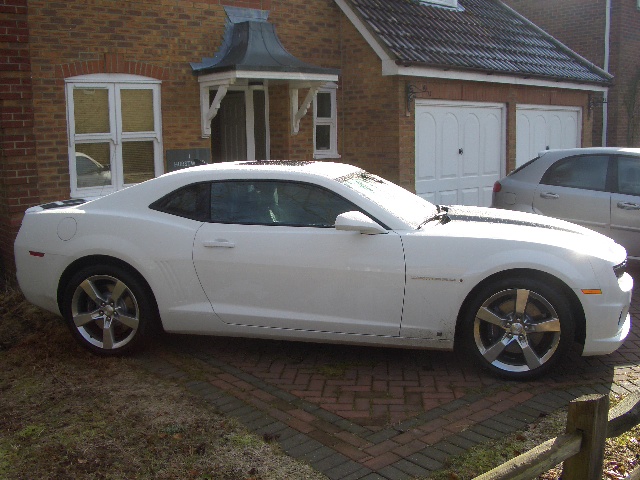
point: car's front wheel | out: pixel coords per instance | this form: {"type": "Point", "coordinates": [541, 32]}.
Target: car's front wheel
{"type": "Point", "coordinates": [108, 310]}
{"type": "Point", "coordinates": [518, 327]}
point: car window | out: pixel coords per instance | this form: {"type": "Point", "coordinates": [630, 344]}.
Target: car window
{"type": "Point", "coordinates": [585, 171]}
{"type": "Point", "coordinates": [629, 175]}
{"type": "Point", "coordinates": [191, 202]}
{"type": "Point", "coordinates": [276, 203]}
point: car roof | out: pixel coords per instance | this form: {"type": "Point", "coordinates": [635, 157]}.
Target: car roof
{"type": "Point", "coordinates": [567, 152]}
{"type": "Point", "coordinates": [265, 167]}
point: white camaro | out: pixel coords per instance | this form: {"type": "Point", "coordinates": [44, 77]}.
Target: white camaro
{"type": "Point", "coordinates": [323, 252]}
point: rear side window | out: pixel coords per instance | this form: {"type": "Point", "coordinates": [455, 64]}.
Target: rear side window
{"type": "Point", "coordinates": [191, 202]}
{"type": "Point", "coordinates": [588, 172]}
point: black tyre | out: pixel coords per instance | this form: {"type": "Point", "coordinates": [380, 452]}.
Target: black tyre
{"type": "Point", "coordinates": [518, 327]}
{"type": "Point", "coordinates": [109, 310]}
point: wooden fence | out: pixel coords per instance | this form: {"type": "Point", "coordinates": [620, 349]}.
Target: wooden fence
{"type": "Point", "coordinates": [581, 448]}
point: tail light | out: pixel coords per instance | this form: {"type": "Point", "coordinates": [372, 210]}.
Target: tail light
{"type": "Point", "coordinates": [497, 187]}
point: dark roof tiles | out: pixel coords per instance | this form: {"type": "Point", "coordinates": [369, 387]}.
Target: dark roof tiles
{"type": "Point", "coordinates": [482, 35]}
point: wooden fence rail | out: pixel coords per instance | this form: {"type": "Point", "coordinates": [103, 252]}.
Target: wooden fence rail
{"type": "Point", "coordinates": [581, 448]}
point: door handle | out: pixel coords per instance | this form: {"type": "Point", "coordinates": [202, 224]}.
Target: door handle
{"type": "Point", "coordinates": [628, 206]}
{"type": "Point", "coordinates": [552, 196]}
{"type": "Point", "coordinates": [218, 242]}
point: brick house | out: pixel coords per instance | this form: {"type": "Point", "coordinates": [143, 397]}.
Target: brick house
{"type": "Point", "coordinates": [607, 32]}
{"type": "Point", "coordinates": [97, 95]}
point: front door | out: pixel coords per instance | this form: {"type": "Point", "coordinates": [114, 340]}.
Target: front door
{"type": "Point", "coordinates": [240, 130]}
{"type": "Point", "coordinates": [273, 258]}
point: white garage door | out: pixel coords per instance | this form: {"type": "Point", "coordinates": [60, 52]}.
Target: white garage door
{"type": "Point", "coordinates": [459, 151]}
{"type": "Point", "coordinates": [542, 128]}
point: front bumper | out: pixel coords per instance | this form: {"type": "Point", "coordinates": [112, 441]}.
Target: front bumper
{"type": "Point", "coordinates": [608, 321]}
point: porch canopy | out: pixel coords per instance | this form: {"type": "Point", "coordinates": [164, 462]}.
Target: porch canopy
{"type": "Point", "coordinates": [251, 52]}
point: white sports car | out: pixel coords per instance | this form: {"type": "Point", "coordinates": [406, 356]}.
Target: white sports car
{"type": "Point", "coordinates": [322, 252]}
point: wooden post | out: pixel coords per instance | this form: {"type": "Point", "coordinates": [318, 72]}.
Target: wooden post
{"type": "Point", "coordinates": [589, 415]}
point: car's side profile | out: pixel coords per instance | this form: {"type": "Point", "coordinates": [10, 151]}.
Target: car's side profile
{"type": "Point", "coordinates": [595, 187]}
{"type": "Point", "coordinates": [322, 252]}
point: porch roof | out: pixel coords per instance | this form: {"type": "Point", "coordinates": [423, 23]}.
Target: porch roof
{"type": "Point", "coordinates": [251, 49]}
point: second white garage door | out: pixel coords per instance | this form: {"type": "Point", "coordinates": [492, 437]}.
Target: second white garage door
{"type": "Point", "coordinates": [460, 151]}
{"type": "Point", "coordinates": [543, 127]}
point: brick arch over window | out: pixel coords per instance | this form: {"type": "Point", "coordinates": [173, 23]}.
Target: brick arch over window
{"type": "Point", "coordinates": [111, 63]}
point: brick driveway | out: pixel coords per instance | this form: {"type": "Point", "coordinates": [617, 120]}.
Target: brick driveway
{"type": "Point", "coordinates": [374, 413]}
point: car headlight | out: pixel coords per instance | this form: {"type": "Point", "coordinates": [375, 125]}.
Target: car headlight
{"type": "Point", "coordinates": [620, 269]}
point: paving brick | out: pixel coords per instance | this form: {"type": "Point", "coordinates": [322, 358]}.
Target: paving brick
{"type": "Point", "coordinates": [330, 462]}
{"type": "Point", "coordinates": [307, 446]}
{"type": "Point", "coordinates": [428, 463]}
{"type": "Point", "coordinates": [411, 468]}
{"type": "Point", "coordinates": [382, 460]}
{"type": "Point", "coordinates": [393, 473]}
{"type": "Point", "coordinates": [449, 448]}
{"type": "Point", "coordinates": [342, 471]}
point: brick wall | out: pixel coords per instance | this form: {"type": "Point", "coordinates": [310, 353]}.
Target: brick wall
{"type": "Point", "coordinates": [368, 122]}
{"type": "Point", "coordinates": [625, 65]}
{"type": "Point", "coordinates": [18, 174]}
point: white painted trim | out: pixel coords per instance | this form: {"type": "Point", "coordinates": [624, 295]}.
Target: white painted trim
{"type": "Point", "coordinates": [205, 109]}
{"type": "Point", "coordinates": [113, 83]}
{"type": "Point", "coordinates": [391, 68]}
{"type": "Point", "coordinates": [232, 76]}
{"type": "Point", "coordinates": [330, 88]}
{"type": "Point", "coordinates": [215, 105]}
{"type": "Point", "coordinates": [249, 122]}
{"type": "Point", "coordinates": [298, 112]}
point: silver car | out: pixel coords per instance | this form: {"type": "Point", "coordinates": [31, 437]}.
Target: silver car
{"type": "Point", "coordinates": [598, 188]}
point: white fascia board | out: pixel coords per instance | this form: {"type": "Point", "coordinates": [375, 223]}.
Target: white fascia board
{"type": "Point", "coordinates": [230, 77]}
{"type": "Point", "coordinates": [391, 68]}
{"type": "Point", "coordinates": [370, 39]}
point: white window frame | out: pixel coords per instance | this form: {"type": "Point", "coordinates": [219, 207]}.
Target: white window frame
{"type": "Point", "coordinates": [114, 84]}
{"type": "Point", "coordinates": [330, 88]}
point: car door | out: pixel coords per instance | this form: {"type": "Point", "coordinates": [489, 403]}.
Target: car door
{"type": "Point", "coordinates": [575, 189]}
{"type": "Point", "coordinates": [625, 204]}
{"type": "Point", "coordinates": [270, 257]}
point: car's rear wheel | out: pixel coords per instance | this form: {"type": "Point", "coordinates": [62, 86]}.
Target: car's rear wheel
{"type": "Point", "coordinates": [518, 327]}
{"type": "Point", "coordinates": [108, 310]}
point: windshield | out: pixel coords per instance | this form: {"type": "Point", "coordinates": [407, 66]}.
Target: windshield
{"type": "Point", "coordinates": [393, 198]}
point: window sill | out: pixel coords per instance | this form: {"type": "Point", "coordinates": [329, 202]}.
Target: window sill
{"type": "Point", "coordinates": [323, 155]}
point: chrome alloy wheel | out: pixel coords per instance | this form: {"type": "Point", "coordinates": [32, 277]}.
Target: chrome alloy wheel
{"type": "Point", "coordinates": [517, 330]}
{"type": "Point", "coordinates": [105, 312]}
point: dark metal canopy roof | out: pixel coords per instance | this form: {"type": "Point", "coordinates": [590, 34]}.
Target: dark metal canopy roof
{"type": "Point", "coordinates": [481, 35]}
{"type": "Point", "coordinates": [251, 44]}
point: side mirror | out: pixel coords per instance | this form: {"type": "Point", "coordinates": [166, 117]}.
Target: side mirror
{"type": "Point", "coordinates": [358, 222]}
